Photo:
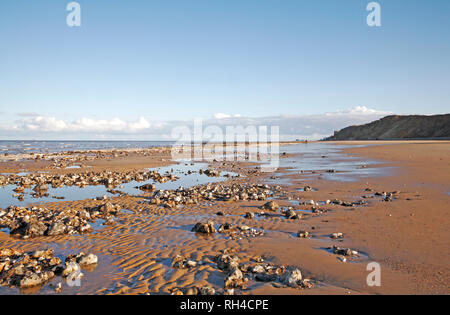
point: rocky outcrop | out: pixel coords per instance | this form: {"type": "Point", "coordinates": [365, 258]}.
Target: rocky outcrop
{"type": "Point", "coordinates": [397, 127]}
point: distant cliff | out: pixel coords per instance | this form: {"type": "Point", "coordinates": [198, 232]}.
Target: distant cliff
{"type": "Point", "coordinates": [398, 127]}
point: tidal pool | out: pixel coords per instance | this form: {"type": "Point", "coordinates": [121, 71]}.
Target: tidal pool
{"type": "Point", "coordinates": [71, 193]}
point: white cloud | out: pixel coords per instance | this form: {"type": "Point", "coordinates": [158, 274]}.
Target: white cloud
{"type": "Point", "coordinates": [42, 123]}
{"type": "Point", "coordinates": [291, 126]}
{"type": "Point", "coordinates": [358, 110]}
{"type": "Point", "coordinates": [224, 116]}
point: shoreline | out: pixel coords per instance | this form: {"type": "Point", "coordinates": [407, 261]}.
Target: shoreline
{"type": "Point", "coordinates": [409, 248]}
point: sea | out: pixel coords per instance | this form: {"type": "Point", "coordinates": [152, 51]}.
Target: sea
{"type": "Point", "coordinates": [21, 146]}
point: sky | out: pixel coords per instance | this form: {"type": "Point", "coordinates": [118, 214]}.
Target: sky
{"type": "Point", "coordinates": [134, 69]}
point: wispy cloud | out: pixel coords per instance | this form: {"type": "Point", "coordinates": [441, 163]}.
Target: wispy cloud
{"type": "Point", "coordinates": [290, 126]}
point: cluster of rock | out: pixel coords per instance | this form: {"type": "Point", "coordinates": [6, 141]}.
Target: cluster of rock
{"type": "Point", "coordinates": [344, 251]}
{"type": "Point", "coordinates": [271, 205]}
{"type": "Point", "coordinates": [307, 188]}
{"type": "Point", "coordinates": [347, 204]}
{"type": "Point", "coordinates": [336, 235]}
{"type": "Point", "coordinates": [204, 227]}
{"type": "Point", "coordinates": [211, 192]}
{"type": "Point", "coordinates": [41, 182]}
{"type": "Point", "coordinates": [30, 269]}
{"type": "Point", "coordinates": [195, 290]}
{"type": "Point", "coordinates": [64, 159]}
{"type": "Point", "coordinates": [387, 196]}
{"type": "Point", "coordinates": [230, 230]}
{"type": "Point", "coordinates": [237, 275]}
{"type": "Point", "coordinates": [291, 214]}
{"type": "Point", "coordinates": [303, 234]}
{"type": "Point", "coordinates": [32, 222]}
{"type": "Point", "coordinates": [210, 172]}
{"type": "Point", "coordinates": [181, 262]}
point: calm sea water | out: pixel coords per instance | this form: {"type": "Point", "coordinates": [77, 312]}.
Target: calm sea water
{"type": "Point", "coordinates": [15, 147]}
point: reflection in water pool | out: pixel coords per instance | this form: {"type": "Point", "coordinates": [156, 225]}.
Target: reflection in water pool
{"type": "Point", "coordinates": [328, 160]}
{"type": "Point", "coordinates": [71, 193]}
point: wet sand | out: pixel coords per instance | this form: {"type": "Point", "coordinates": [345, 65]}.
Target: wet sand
{"type": "Point", "coordinates": [408, 236]}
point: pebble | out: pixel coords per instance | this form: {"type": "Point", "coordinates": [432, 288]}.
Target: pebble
{"type": "Point", "coordinates": [205, 228]}
{"type": "Point", "coordinates": [30, 269]}
{"type": "Point", "coordinates": [336, 235]}
{"type": "Point", "coordinates": [32, 222]}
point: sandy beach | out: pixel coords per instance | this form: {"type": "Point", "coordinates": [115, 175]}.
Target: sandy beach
{"type": "Point", "coordinates": [391, 204]}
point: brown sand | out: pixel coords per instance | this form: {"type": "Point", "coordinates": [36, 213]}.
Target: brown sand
{"type": "Point", "coordinates": [409, 237]}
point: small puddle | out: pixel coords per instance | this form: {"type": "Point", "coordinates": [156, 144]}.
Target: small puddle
{"type": "Point", "coordinates": [304, 189]}
{"type": "Point", "coordinates": [72, 167]}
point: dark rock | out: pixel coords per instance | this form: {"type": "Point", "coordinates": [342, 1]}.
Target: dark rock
{"type": "Point", "coordinates": [206, 228]}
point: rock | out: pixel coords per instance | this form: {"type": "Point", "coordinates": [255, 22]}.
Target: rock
{"type": "Point", "coordinates": [147, 187]}
{"type": "Point", "coordinates": [71, 268]}
{"type": "Point", "coordinates": [336, 235]}
{"type": "Point", "coordinates": [57, 228]}
{"type": "Point", "coordinates": [192, 291]}
{"type": "Point", "coordinates": [226, 227]}
{"type": "Point", "coordinates": [86, 260]}
{"type": "Point", "coordinates": [19, 189]}
{"type": "Point", "coordinates": [191, 263]}
{"type": "Point", "coordinates": [40, 187]}
{"type": "Point", "coordinates": [307, 188]}
{"type": "Point", "coordinates": [258, 269]}
{"type": "Point", "coordinates": [258, 259]}
{"type": "Point", "coordinates": [244, 228]}
{"type": "Point", "coordinates": [291, 214]}
{"type": "Point", "coordinates": [271, 205]}
{"type": "Point", "coordinates": [228, 292]}
{"type": "Point", "coordinates": [207, 290]}
{"type": "Point", "coordinates": [249, 215]}
{"type": "Point", "coordinates": [211, 173]}
{"type": "Point", "coordinates": [32, 228]}
{"type": "Point", "coordinates": [227, 262]}
{"type": "Point", "coordinates": [31, 269]}
{"type": "Point", "coordinates": [44, 254]}
{"type": "Point", "coordinates": [58, 288]}
{"type": "Point", "coordinates": [344, 251]}
{"type": "Point", "coordinates": [303, 234]}
{"type": "Point", "coordinates": [179, 262]}
{"type": "Point", "coordinates": [206, 228]}
{"type": "Point", "coordinates": [31, 281]}
{"type": "Point", "coordinates": [292, 277]}
{"type": "Point", "coordinates": [234, 279]}
{"type": "Point", "coordinates": [266, 277]}
{"type": "Point", "coordinates": [75, 276]}
{"type": "Point", "coordinates": [9, 252]}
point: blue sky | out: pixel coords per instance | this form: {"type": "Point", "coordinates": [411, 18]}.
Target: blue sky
{"type": "Point", "coordinates": [176, 60]}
